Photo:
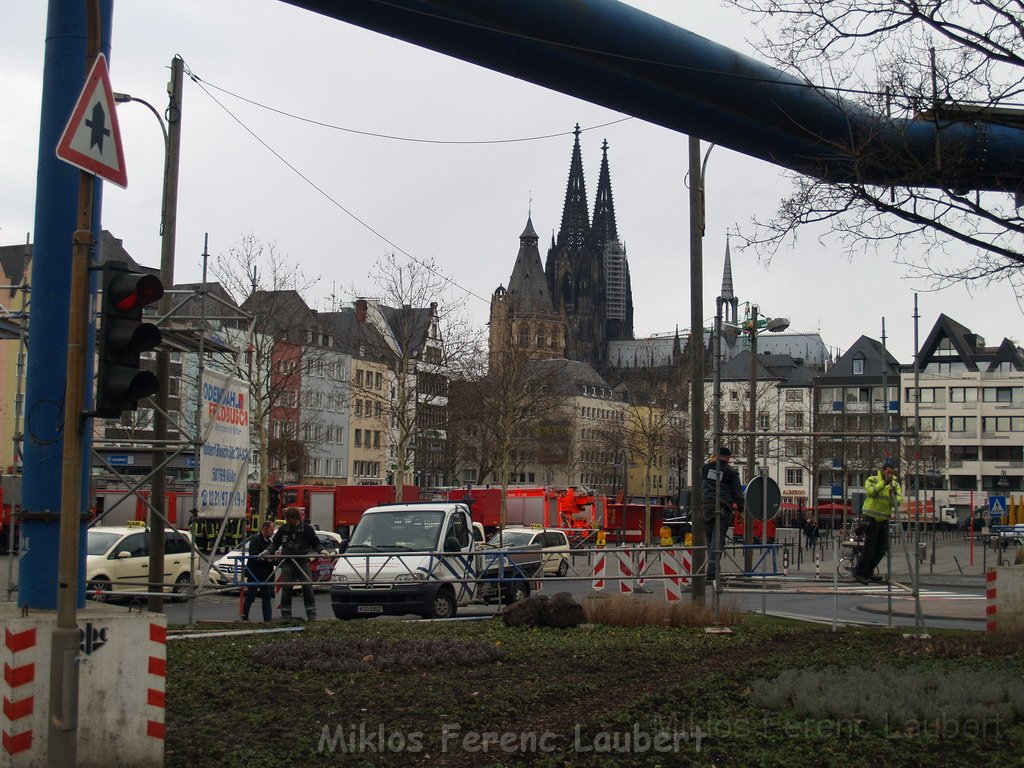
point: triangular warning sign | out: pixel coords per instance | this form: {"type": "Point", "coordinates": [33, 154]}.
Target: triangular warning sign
{"type": "Point", "coordinates": [997, 509]}
{"type": "Point", "coordinates": [92, 138]}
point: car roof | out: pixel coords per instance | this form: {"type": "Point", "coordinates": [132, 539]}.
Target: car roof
{"type": "Point", "coordinates": [528, 529]}
{"type": "Point", "coordinates": [123, 529]}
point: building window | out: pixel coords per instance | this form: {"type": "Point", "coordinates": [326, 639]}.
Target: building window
{"type": "Point", "coordinates": [763, 421]}
{"type": "Point", "coordinates": [1002, 424]}
{"type": "Point", "coordinates": [963, 424]}
{"type": "Point", "coordinates": [794, 396]}
{"type": "Point", "coordinates": [359, 438]}
{"type": "Point", "coordinates": [858, 366]}
{"type": "Point", "coordinates": [794, 476]}
{"type": "Point", "coordinates": [794, 448]}
{"type": "Point", "coordinates": [794, 420]}
{"type": "Point", "coordinates": [963, 394]}
{"type": "Point", "coordinates": [1001, 394]}
{"type": "Point", "coordinates": [359, 377]}
{"type": "Point", "coordinates": [377, 380]}
{"type": "Point", "coordinates": [376, 439]}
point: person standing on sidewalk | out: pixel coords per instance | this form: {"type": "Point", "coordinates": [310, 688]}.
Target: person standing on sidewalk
{"type": "Point", "coordinates": [295, 539]}
{"type": "Point", "coordinates": [259, 574]}
{"type": "Point", "coordinates": [715, 472]}
{"type": "Point", "coordinates": [884, 495]}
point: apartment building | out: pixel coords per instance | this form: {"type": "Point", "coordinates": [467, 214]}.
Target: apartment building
{"type": "Point", "coordinates": [971, 404]}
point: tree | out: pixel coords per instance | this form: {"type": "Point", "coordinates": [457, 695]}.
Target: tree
{"type": "Point", "coordinates": [657, 397]}
{"type": "Point", "coordinates": [285, 339]}
{"type": "Point", "coordinates": [513, 399]}
{"type": "Point", "coordinates": [944, 61]}
{"type": "Point", "coordinates": [423, 347]}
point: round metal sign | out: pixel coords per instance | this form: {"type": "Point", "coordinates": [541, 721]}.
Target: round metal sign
{"type": "Point", "coordinates": [758, 493]}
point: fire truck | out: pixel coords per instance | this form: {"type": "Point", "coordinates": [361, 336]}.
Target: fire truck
{"type": "Point", "coordinates": [10, 505]}
{"type": "Point", "coordinates": [738, 527]}
{"type": "Point", "coordinates": [524, 505]}
{"type": "Point", "coordinates": [625, 520]}
{"type": "Point", "coordinates": [338, 508]}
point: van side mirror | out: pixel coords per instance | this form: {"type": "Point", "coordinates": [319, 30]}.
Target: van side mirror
{"type": "Point", "coordinates": [451, 544]}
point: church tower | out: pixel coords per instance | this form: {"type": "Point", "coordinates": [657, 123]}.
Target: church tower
{"type": "Point", "coordinates": [522, 317]}
{"type": "Point", "coordinates": [611, 252]}
{"type": "Point", "coordinates": [587, 270]}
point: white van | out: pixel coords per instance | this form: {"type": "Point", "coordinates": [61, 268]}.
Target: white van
{"type": "Point", "coordinates": [418, 558]}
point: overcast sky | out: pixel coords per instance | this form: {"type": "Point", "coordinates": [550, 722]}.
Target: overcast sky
{"type": "Point", "coordinates": [464, 205]}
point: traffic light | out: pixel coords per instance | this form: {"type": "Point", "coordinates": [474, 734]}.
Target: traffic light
{"type": "Point", "coordinates": [123, 337]}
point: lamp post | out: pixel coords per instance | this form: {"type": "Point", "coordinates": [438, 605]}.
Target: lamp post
{"type": "Point", "coordinates": [753, 327]}
{"type": "Point", "coordinates": [696, 361]}
{"type": "Point", "coordinates": [168, 230]}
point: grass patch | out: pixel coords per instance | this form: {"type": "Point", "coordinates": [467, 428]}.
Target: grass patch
{"type": "Point", "coordinates": [477, 693]}
{"type": "Point", "coordinates": [635, 611]}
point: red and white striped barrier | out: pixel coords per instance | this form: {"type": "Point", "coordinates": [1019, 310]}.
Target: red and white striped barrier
{"type": "Point", "coordinates": [156, 691]}
{"type": "Point", "coordinates": [121, 674]}
{"type": "Point", "coordinates": [20, 653]}
{"type": "Point", "coordinates": [626, 573]}
{"type": "Point", "coordinates": [990, 601]}
{"type": "Point", "coordinates": [613, 565]}
{"type": "Point", "coordinates": [674, 564]}
{"type": "Point", "coordinates": [600, 563]}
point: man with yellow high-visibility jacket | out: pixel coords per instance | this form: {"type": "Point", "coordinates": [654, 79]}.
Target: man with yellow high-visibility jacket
{"type": "Point", "coordinates": [884, 496]}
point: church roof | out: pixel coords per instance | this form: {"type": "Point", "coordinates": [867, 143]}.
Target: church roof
{"type": "Point", "coordinates": [604, 229]}
{"type": "Point", "coordinates": [528, 286]}
{"type": "Point", "coordinates": [727, 289]}
{"type": "Point", "coordinates": [575, 229]}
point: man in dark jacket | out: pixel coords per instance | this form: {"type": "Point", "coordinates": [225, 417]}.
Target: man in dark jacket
{"type": "Point", "coordinates": [719, 474]}
{"type": "Point", "coordinates": [295, 538]}
{"type": "Point", "coordinates": [259, 573]}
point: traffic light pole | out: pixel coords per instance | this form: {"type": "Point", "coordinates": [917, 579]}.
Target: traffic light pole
{"type": "Point", "coordinates": [168, 230]}
{"type": "Point", "coordinates": [62, 735]}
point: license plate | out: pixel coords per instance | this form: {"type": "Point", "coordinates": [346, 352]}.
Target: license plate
{"type": "Point", "coordinates": [369, 609]}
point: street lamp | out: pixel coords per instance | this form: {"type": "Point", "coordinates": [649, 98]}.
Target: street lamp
{"type": "Point", "coordinates": [168, 230]}
{"type": "Point", "coordinates": [753, 326]}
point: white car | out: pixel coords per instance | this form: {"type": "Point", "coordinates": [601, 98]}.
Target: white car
{"type": "Point", "coordinates": [117, 559]}
{"type": "Point", "coordinates": [227, 571]}
{"type": "Point", "coordinates": [553, 543]}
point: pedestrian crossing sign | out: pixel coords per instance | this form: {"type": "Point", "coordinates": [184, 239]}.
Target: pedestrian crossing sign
{"type": "Point", "coordinates": [996, 506]}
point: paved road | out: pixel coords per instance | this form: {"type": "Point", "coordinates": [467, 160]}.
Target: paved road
{"type": "Point", "coordinates": [952, 589]}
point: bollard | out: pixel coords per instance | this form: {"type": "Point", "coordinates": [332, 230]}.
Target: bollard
{"type": "Point", "coordinates": [785, 562]}
{"type": "Point", "coordinates": [817, 565]}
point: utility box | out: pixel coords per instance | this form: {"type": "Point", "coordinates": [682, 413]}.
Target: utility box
{"type": "Point", "coordinates": [122, 663]}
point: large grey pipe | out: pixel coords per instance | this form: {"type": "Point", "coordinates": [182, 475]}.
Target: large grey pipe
{"type": "Point", "coordinates": [627, 60]}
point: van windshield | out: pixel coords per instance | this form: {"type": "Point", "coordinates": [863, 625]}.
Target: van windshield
{"type": "Point", "coordinates": [413, 531]}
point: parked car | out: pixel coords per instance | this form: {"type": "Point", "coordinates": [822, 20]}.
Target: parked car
{"type": "Point", "coordinates": [552, 542]}
{"type": "Point", "coordinates": [117, 560]}
{"type": "Point", "coordinates": [227, 571]}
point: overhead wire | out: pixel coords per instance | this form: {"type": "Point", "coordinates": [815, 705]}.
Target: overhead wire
{"type": "Point", "coordinates": [331, 199]}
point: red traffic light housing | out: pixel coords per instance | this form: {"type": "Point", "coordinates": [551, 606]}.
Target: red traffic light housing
{"type": "Point", "coordinates": [120, 380]}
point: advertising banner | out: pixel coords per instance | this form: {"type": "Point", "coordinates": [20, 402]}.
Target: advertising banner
{"type": "Point", "coordinates": [224, 460]}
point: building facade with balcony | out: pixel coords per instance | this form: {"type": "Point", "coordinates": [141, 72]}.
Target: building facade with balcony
{"type": "Point", "coordinates": [972, 410]}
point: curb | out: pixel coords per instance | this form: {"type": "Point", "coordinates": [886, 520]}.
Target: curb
{"type": "Point", "coordinates": [904, 612]}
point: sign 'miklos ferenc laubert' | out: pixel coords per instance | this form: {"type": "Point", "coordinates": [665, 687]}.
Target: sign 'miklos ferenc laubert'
{"type": "Point", "coordinates": [224, 461]}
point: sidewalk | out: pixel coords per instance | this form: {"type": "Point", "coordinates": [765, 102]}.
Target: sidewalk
{"type": "Point", "coordinates": [947, 564]}
{"type": "Point", "coordinates": [952, 565]}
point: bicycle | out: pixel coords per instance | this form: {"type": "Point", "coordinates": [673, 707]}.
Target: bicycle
{"type": "Point", "coordinates": [852, 546]}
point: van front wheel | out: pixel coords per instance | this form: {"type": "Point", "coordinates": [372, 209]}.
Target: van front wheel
{"type": "Point", "coordinates": [443, 606]}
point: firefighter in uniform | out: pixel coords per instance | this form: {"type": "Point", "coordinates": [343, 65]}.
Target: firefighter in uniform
{"type": "Point", "coordinates": [295, 537]}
